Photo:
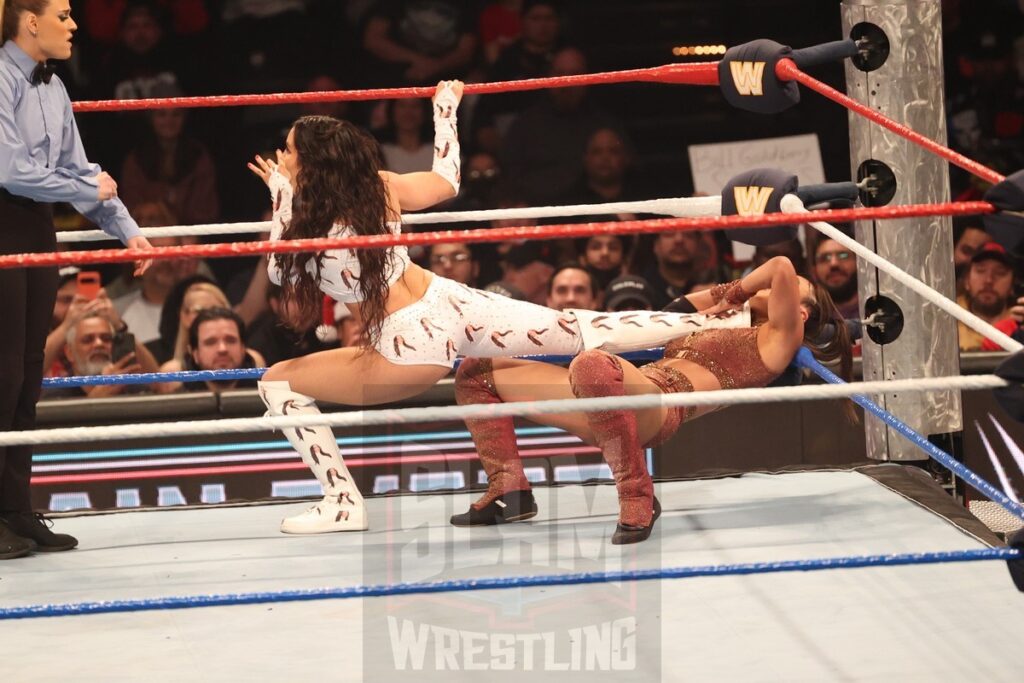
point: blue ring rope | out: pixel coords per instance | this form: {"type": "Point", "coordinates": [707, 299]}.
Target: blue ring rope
{"type": "Point", "coordinates": [189, 602]}
{"type": "Point", "coordinates": [257, 373]}
{"type": "Point", "coordinates": [806, 359]}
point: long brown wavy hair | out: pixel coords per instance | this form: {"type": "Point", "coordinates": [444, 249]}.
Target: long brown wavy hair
{"type": "Point", "coordinates": [338, 181]}
{"type": "Point", "coordinates": [828, 338]}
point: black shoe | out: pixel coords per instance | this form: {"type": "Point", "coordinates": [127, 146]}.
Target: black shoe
{"type": "Point", "coordinates": [12, 545]}
{"type": "Point", "coordinates": [513, 506]}
{"type": "Point", "coordinates": [625, 534]}
{"type": "Point", "coordinates": [35, 527]}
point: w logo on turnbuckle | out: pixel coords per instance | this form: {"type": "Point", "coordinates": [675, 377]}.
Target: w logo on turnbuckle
{"type": "Point", "coordinates": [751, 201]}
{"type": "Point", "coordinates": [748, 77]}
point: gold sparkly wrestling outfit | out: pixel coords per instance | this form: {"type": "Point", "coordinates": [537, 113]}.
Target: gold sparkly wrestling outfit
{"type": "Point", "coordinates": [732, 356]}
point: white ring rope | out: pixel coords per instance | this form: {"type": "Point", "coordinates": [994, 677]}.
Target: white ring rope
{"type": "Point", "coordinates": [392, 416]}
{"type": "Point", "coordinates": [677, 207]}
{"type": "Point", "coordinates": [792, 204]}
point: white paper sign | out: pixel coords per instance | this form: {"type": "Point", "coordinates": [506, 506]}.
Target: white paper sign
{"type": "Point", "coordinates": [713, 164]}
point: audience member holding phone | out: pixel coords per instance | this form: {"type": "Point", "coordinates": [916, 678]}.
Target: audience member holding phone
{"type": "Point", "coordinates": [94, 347]}
{"type": "Point", "coordinates": [87, 298]}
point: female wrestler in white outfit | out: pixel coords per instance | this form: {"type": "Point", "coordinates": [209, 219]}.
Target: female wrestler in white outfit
{"type": "Point", "coordinates": [328, 182]}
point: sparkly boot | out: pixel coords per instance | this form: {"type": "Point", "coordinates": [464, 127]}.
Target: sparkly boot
{"type": "Point", "coordinates": [597, 374]}
{"type": "Point", "coordinates": [342, 508]}
{"type": "Point", "coordinates": [508, 497]}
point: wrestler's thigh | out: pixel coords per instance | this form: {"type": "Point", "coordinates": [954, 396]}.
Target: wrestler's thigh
{"type": "Point", "coordinates": [523, 380]}
{"type": "Point", "coordinates": [354, 377]}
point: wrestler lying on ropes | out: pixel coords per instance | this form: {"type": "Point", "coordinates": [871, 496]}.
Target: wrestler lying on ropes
{"type": "Point", "coordinates": [328, 183]}
{"type": "Point", "coordinates": [786, 311]}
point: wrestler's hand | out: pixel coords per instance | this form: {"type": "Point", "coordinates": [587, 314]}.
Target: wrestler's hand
{"type": "Point", "coordinates": [721, 307]}
{"type": "Point", "coordinates": [455, 86]}
{"type": "Point", "coordinates": [140, 242]}
{"type": "Point", "coordinates": [264, 168]}
{"type": "Point", "coordinates": [106, 187]}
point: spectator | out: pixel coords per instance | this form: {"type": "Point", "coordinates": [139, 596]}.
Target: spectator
{"type": "Point", "coordinates": [527, 271]}
{"type": "Point", "coordinates": [103, 20]}
{"type": "Point", "coordinates": [141, 308]}
{"type": "Point", "coordinates": [182, 306]}
{"type": "Point", "coordinates": [629, 293]}
{"type": "Point", "coordinates": [573, 286]}
{"type": "Point", "coordinates": [274, 336]}
{"type": "Point", "coordinates": [90, 344]}
{"type": "Point", "coordinates": [835, 268]}
{"type": "Point", "coordinates": [606, 161]}
{"type": "Point", "coordinates": [153, 215]}
{"type": "Point", "coordinates": [480, 177]}
{"type": "Point", "coordinates": [529, 56]}
{"type": "Point", "coordinates": [455, 262]}
{"type": "Point", "coordinates": [171, 167]}
{"type": "Point", "coordinates": [969, 237]}
{"type": "Point", "coordinates": [792, 249]}
{"type": "Point", "coordinates": [68, 311]}
{"type": "Point", "coordinates": [677, 266]}
{"type": "Point", "coordinates": [141, 60]}
{"type": "Point", "coordinates": [544, 147]}
{"type": "Point", "coordinates": [499, 27]}
{"type": "Point", "coordinates": [265, 40]}
{"type": "Point", "coordinates": [407, 145]}
{"type": "Point", "coordinates": [419, 41]}
{"type": "Point", "coordinates": [604, 256]}
{"type": "Point", "coordinates": [216, 341]}
{"type": "Point", "coordinates": [988, 293]}
{"type": "Point", "coordinates": [325, 83]}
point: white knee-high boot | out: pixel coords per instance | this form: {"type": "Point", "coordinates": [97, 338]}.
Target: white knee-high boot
{"type": "Point", "coordinates": [342, 508]}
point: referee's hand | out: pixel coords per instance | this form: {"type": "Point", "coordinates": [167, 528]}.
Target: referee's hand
{"type": "Point", "coordinates": [107, 187]}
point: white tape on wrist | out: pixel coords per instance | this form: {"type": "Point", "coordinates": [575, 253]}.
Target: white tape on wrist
{"type": "Point", "coordinates": [447, 154]}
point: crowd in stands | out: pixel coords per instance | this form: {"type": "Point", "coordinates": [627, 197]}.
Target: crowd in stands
{"type": "Point", "coordinates": [531, 148]}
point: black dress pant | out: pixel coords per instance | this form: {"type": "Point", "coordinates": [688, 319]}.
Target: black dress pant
{"type": "Point", "coordinates": [26, 308]}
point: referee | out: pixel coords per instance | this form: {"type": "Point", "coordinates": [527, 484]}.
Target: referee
{"type": "Point", "coordinates": [41, 161]}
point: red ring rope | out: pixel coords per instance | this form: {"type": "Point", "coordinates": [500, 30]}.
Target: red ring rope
{"type": "Point", "coordinates": [787, 70]}
{"type": "Point", "coordinates": [494, 234]}
{"type": "Point", "coordinates": [699, 73]}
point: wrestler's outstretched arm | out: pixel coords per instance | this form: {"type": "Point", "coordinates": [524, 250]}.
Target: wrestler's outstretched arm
{"type": "Point", "coordinates": [416, 191]}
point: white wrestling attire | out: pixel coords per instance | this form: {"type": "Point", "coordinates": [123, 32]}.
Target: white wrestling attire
{"type": "Point", "coordinates": [450, 320]}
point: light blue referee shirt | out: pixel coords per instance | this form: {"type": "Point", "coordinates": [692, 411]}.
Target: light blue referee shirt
{"type": "Point", "coordinates": [41, 154]}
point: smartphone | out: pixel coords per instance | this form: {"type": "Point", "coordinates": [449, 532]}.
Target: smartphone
{"type": "Point", "coordinates": [124, 344]}
{"type": "Point", "coordinates": [88, 284]}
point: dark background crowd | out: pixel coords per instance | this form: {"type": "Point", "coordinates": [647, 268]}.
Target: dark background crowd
{"type": "Point", "coordinates": [548, 147]}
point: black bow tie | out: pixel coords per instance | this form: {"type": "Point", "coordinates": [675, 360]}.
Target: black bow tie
{"type": "Point", "coordinates": [42, 73]}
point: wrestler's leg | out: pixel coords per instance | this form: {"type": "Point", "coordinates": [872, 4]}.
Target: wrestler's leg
{"type": "Point", "coordinates": [340, 376]}
{"type": "Point", "coordinates": [508, 497]}
{"type": "Point", "coordinates": [593, 374]}
{"type": "Point", "coordinates": [521, 380]}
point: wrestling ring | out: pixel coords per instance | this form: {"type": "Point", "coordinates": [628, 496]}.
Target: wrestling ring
{"type": "Point", "coordinates": [804, 574]}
